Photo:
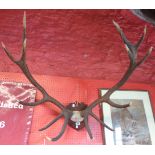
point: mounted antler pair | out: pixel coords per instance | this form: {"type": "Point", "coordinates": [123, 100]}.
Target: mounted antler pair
{"type": "Point", "coordinates": [76, 114]}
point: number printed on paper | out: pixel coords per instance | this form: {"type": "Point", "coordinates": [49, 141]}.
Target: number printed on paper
{"type": "Point", "coordinates": [2, 124]}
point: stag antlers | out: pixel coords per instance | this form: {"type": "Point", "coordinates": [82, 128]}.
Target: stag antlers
{"type": "Point", "coordinates": [66, 112]}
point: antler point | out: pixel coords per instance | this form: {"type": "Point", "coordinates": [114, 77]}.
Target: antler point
{"type": "Point", "coordinates": [48, 138]}
{"type": "Point", "coordinates": [24, 20]}
{"type": "Point", "coordinates": [3, 44]}
{"type": "Point", "coordinates": [130, 103]}
{"type": "Point", "coordinates": [24, 15]}
{"type": "Point", "coordinates": [115, 23]}
{"type": "Point", "coordinates": [25, 42]}
{"type": "Point", "coordinates": [117, 26]}
{"type": "Point", "coordinates": [150, 50]}
{"type": "Point", "coordinates": [145, 28]}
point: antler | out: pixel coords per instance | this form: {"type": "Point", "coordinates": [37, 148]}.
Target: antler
{"type": "Point", "coordinates": [46, 97]}
{"type": "Point", "coordinates": [68, 112]}
{"type": "Point", "coordinates": [132, 50]}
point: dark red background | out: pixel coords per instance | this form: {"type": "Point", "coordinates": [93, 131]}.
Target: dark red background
{"type": "Point", "coordinates": [76, 43]}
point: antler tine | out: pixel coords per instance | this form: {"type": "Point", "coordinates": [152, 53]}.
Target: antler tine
{"type": "Point", "coordinates": [24, 37]}
{"type": "Point", "coordinates": [94, 116]}
{"type": "Point", "coordinates": [33, 103]}
{"type": "Point", "coordinates": [87, 125]}
{"type": "Point", "coordinates": [8, 53]}
{"type": "Point", "coordinates": [24, 26]}
{"type": "Point", "coordinates": [111, 103]}
{"type": "Point", "coordinates": [101, 122]}
{"type": "Point", "coordinates": [125, 40]}
{"type": "Point", "coordinates": [61, 132]}
{"type": "Point", "coordinates": [141, 38]}
{"type": "Point", "coordinates": [52, 122]}
{"type": "Point", "coordinates": [23, 44]}
{"type": "Point", "coordinates": [131, 48]}
{"type": "Point", "coordinates": [146, 56]}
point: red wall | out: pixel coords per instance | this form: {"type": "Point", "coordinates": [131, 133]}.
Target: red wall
{"type": "Point", "coordinates": [76, 43]}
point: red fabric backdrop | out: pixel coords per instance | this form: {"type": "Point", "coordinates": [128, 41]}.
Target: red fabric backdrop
{"type": "Point", "coordinates": [67, 90]}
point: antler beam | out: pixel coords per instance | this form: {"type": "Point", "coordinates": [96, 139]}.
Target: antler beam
{"type": "Point", "coordinates": [46, 97]}
{"type": "Point", "coordinates": [132, 50]}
